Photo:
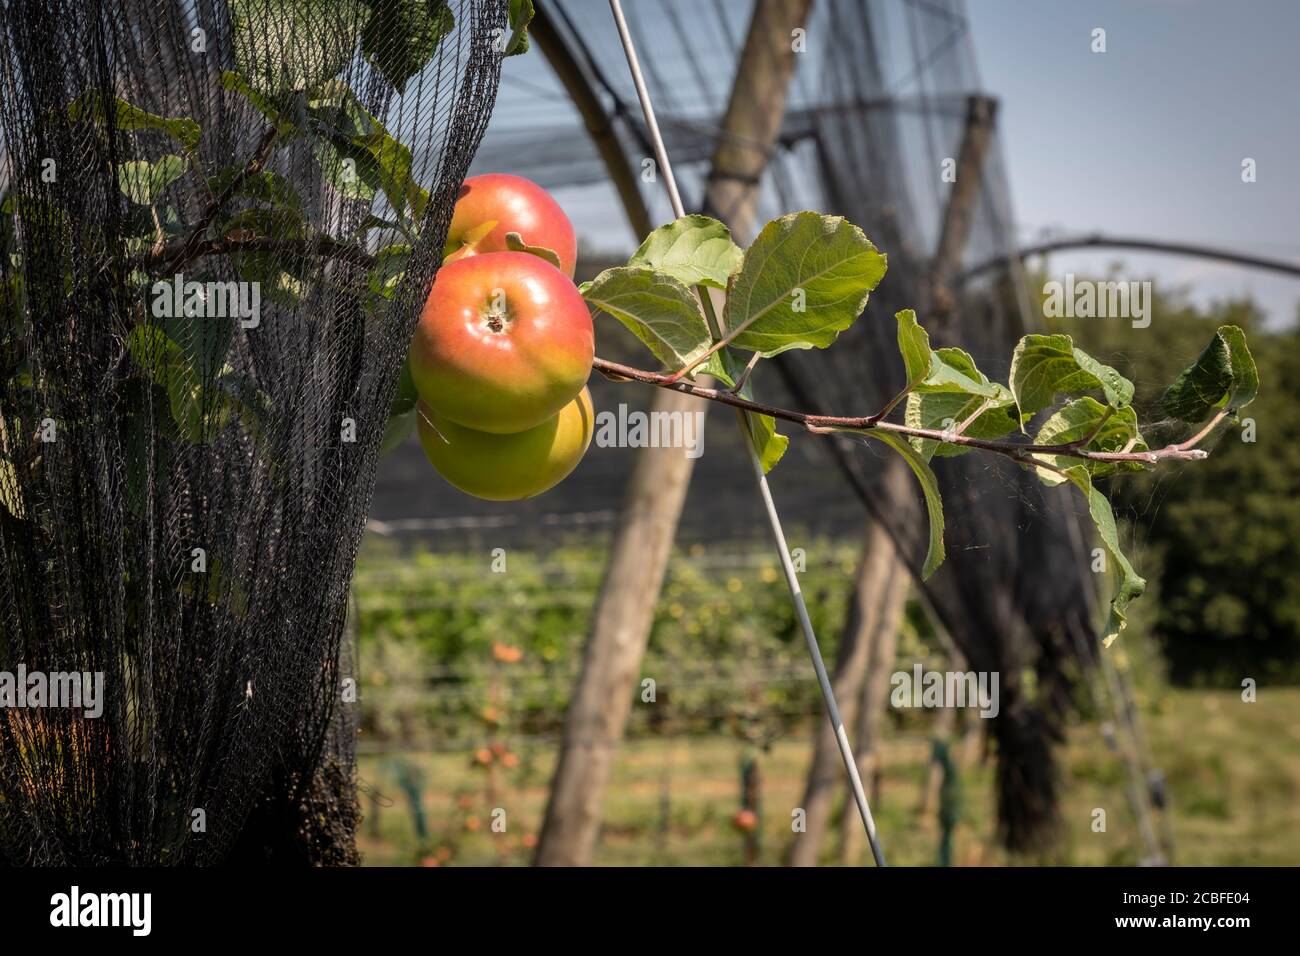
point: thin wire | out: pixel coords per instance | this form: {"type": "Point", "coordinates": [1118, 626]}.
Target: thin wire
{"type": "Point", "coordinates": [774, 519]}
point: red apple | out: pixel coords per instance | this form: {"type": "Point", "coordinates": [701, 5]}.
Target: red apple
{"type": "Point", "coordinates": [494, 204]}
{"type": "Point", "coordinates": [504, 342]}
{"type": "Point", "coordinates": [508, 467]}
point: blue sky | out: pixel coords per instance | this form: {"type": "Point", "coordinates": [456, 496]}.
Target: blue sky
{"type": "Point", "coordinates": [1144, 140]}
{"type": "Point", "coordinates": [1148, 138]}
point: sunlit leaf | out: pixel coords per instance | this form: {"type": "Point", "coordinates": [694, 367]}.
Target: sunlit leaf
{"type": "Point", "coordinates": [1128, 584]}
{"type": "Point", "coordinates": [97, 108]}
{"type": "Point", "coordinates": [695, 250]}
{"type": "Point", "coordinates": [727, 366]}
{"type": "Point", "coordinates": [521, 14]}
{"type": "Point", "coordinates": [1080, 419]}
{"type": "Point", "coordinates": [656, 308]}
{"type": "Point", "coordinates": [914, 345]}
{"type": "Point", "coordinates": [293, 45]}
{"type": "Point", "coordinates": [948, 410]}
{"type": "Point", "coordinates": [515, 243]}
{"type": "Point", "coordinates": [143, 182]}
{"type": "Point", "coordinates": [1044, 366]}
{"type": "Point", "coordinates": [805, 279]}
{"type": "Point", "coordinates": [930, 488]}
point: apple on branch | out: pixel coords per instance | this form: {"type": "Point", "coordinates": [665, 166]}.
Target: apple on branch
{"type": "Point", "coordinates": [494, 206]}
{"type": "Point", "coordinates": [504, 342]}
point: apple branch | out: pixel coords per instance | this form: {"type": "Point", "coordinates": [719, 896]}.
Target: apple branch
{"type": "Point", "coordinates": [823, 424]}
{"type": "Point", "coordinates": [1021, 452]}
{"type": "Point", "coordinates": [185, 248]}
{"type": "Point", "coordinates": [180, 252]}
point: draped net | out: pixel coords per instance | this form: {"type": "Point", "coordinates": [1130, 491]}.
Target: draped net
{"type": "Point", "coordinates": [183, 494]}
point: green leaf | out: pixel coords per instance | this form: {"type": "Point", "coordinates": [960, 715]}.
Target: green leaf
{"type": "Point", "coordinates": [262, 186]}
{"type": "Point", "coordinates": [199, 406]}
{"type": "Point", "coordinates": [929, 486]}
{"type": "Point", "coordinates": [401, 36]}
{"type": "Point", "coordinates": [953, 370]}
{"type": "Point", "coordinates": [343, 173]}
{"type": "Point", "coordinates": [656, 308]}
{"type": "Point", "coordinates": [954, 390]}
{"type": "Point", "coordinates": [1078, 420]}
{"type": "Point", "coordinates": [380, 161]}
{"type": "Point", "coordinates": [1044, 365]}
{"type": "Point", "coordinates": [1129, 584]}
{"type": "Point", "coordinates": [914, 344]}
{"type": "Point", "coordinates": [371, 221]}
{"type": "Point", "coordinates": [805, 279]}
{"type": "Point", "coordinates": [1223, 377]}
{"type": "Point", "coordinates": [406, 397]}
{"type": "Point", "coordinates": [288, 45]}
{"type": "Point", "coordinates": [727, 366]}
{"type": "Point", "coordinates": [97, 108]}
{"type": "Point", "coordinates": [770, 444]}
{"type": "Point", "coordinates": [10, 493]}
{"type": "Point", "coordinates": [1245, 376]}
{"type": "Point", "coordinates": [515, 243]}
{"type": "Point", "coordinates": [279, 274]}
{"type": "Point", "coordinates": [694, 250]}
{"type": "Point", "coordinates": [274, 109]}
{"type": "Point", "coordinates": [399, 428]}
{"type": "Point", "coordinates": [945, 411]}
{"type": "Point", "coordinates": [203, 342]}
{"type": "Point", "coordinates": [521, 14]}
{"type": "Point", "coordinates": [143, 181]}
{"type": "Point", "coordinates": [390, 267]}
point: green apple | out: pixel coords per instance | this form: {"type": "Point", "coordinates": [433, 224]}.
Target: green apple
{"type": "Point", "coordinates": [508, 467]}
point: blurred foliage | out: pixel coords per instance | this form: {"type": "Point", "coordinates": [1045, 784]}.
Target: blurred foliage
{"type": "Point", "coordinates": [1219, 538]}
{"type": "Point", "coordinates": [439, 633]}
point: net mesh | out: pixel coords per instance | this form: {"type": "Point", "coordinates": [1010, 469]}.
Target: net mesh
{"type": "Point", "coordinates": [880, 99]}
{"type": "Point", "coordinates": [184, 493]}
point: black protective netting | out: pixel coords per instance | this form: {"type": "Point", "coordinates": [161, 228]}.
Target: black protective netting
{"type": "Point", "coordinates": [881, 99]}
{"type": "Point", "coordinates": [183, 494]}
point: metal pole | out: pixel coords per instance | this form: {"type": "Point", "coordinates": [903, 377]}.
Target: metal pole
{"type": "Point", "coordinates": [774, 519]}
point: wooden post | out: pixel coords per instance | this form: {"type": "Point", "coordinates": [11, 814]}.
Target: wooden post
{"type": "Point", "coordinates": [960, 208]}
{"type": "Point", "coordinates": [755, 113]}
{"type": "Point", "coordinates": [602, 696]}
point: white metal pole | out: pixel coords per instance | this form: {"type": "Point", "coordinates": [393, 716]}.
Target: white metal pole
{"type": "Point", "coordinates": [774, 519]}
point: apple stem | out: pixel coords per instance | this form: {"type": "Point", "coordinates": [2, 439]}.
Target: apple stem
{"type": "Point", "coordinates": [831, 424]}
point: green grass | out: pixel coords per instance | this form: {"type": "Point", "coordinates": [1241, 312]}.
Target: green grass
{"type": "Point", "coordinates": [1233, 776]}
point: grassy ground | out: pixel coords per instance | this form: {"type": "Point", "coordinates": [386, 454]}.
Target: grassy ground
{"type": "Point", "coordinates": [1233, 773]}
